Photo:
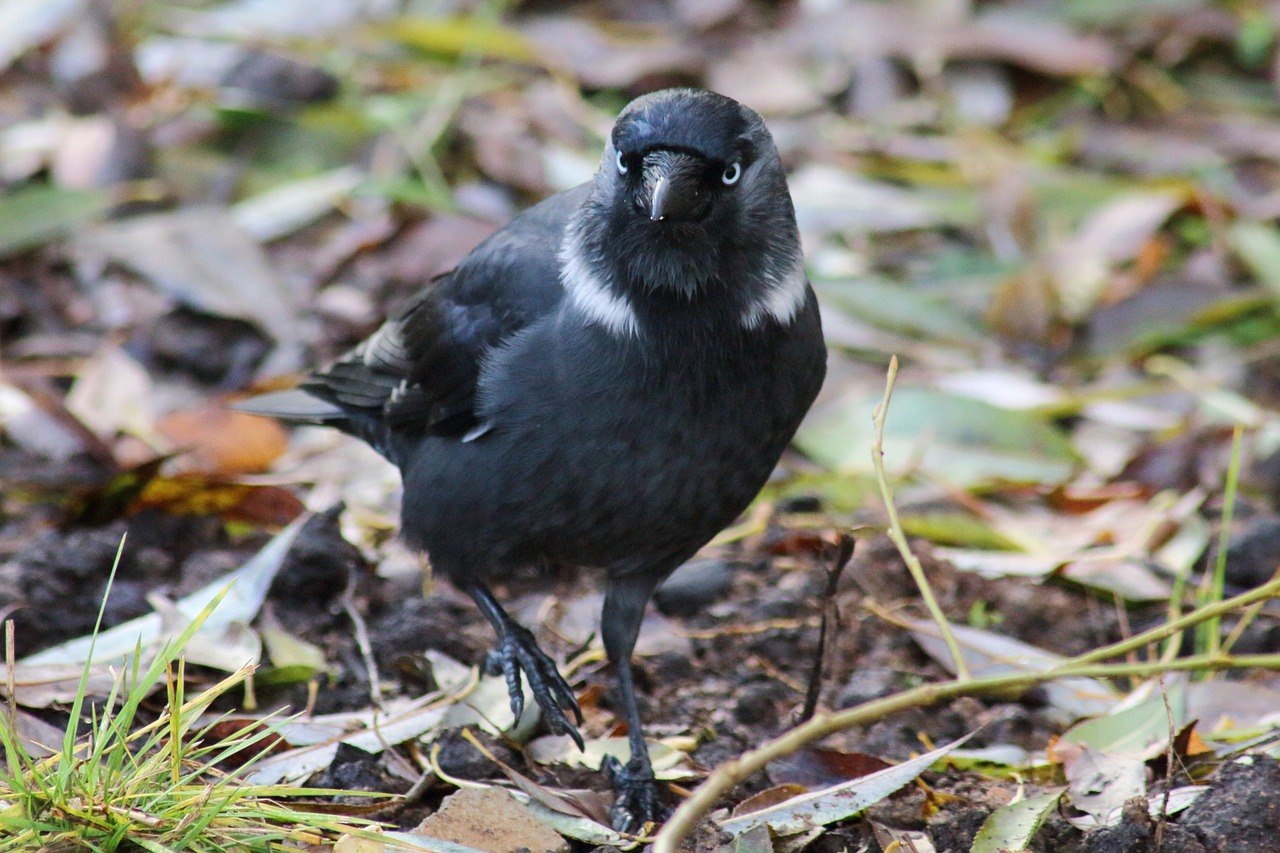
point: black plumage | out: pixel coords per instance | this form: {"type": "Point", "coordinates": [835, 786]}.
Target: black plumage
{"type": "Point", "coordinates": [607, 382]}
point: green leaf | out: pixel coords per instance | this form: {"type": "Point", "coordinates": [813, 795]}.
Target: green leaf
{"type": "Point", "coordinates": [459, 37]}
{"type": "Point", "coordinates": [901, 308]}
{"type": "Point", "coordinates": [34, 215]}
{"type": "Point", "coordinates": [1104, 13]}
{"type": "Point", "coordinates": [956, 528]}
{"type": "Point", "coordinates": [1134, 730]}
{"type": "Point", "coordinates": [1010, 828]}
{"type": "Point", "coordinates": [957, 440]}
{"type": "Point", "coordinates": [1258, 245]}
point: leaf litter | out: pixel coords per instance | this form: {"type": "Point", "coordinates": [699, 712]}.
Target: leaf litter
{"type": "Point", "coordinates": [1062, 218]}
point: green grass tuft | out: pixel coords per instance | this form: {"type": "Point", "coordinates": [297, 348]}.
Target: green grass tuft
{"type": "Point", "coordinates": [120, 783]}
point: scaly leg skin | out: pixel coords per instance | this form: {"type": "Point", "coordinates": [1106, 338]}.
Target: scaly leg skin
{"type": "Point", "coordinates": [638, 803]}
{"type": "Point", "coordinates": [518, 654]}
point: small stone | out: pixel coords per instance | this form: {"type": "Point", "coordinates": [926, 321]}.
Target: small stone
{"type": "Point", "coordinates": [693, 586]}
{"type": "Point", "coordinates": [755, 704]}
{"type": "Point", "coordinates": [460, 759]}
{"type": "Point", "coordinates": [873, 682]}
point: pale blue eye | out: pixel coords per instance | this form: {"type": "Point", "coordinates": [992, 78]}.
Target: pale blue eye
{"type": "Point", "coordinates": [731, 174]}
{"type": "Point", "coordinates": [622, 167]}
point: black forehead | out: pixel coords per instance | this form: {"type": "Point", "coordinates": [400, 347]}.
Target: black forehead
{"type": "Point", "coordinates": [689, 119]}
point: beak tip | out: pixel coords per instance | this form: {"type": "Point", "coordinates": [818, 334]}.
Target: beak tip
{"type": "Point", "coordinates": [657, 202]}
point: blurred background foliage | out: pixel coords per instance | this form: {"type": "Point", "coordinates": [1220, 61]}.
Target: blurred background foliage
{"type": "Point", "coordinates": [1061, 215]}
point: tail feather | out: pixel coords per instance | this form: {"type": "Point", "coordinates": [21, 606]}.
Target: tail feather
{"type": "Point", "coordinates": [298, 406]}
{"type": "Point", "coordinates": [294, 406]}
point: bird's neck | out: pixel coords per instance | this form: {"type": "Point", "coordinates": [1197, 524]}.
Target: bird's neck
{"type": "Point", "coordinates": [630, 287]}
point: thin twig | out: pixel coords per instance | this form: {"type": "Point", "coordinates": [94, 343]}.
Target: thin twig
{"type": "Point", "coordinates": [362, 641]}
{"type": "Point", "coordinates": [899, 537]}
{"type": "Point", "coordinates": [843, 553]}
{"type": "Point", "coordinates": [1245, 620]}
{"type": "Point", "coordinates": [10, 665]}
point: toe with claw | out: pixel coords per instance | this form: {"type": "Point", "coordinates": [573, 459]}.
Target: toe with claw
{"type": "Point", "coordinates": [637, 803]}
{"type": "Point", "coordinates": [520, 656]}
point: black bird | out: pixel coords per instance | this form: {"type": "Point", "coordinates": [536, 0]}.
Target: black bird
{"type": "Point", "coordinates": [606, 382]}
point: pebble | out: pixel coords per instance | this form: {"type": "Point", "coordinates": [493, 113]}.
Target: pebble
{"type": "Point", "coordinates": [694, 586]}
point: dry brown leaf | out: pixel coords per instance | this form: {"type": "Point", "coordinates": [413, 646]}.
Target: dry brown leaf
{"type": "Point", "coordinates": [490, 819]}
{"type": "Point", "coordinates": [222, 442]}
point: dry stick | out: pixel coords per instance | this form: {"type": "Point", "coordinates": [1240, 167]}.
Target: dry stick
{"type": "Point", "coordinates": [362, 641]}
{"type": "Point", "coordinates": [899, 538]}
{"type": "Point", "coordinates": [840, 559]}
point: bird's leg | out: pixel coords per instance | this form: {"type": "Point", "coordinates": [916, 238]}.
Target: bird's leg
{"type": "Point", "coordinates": [637, 802]}
{"type": "Point", "coordinates": [518, 653]}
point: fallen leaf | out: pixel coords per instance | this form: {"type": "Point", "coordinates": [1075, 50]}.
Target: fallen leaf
{"type": "Point", "coordinates": [766, 799]}
{"type": "Point", "coordinates": [36, 214]}
{"type": "Point", "coordinates": [112, 395]}
{"type": "Point", "coordinates": [223, 442]}
{"type": "Point", "coordinates": [1010, 828]}
{"type": "Point", "coordinates": [200, 257]}
{"type": "Point", "coordinates": [25, 24]}
{"type": "Point", "coordinates": [668, 762]}
{"type": "Point", "coordinates": [817, 767]}
{"type": "Point", "coordinates": [51, 675]}
{"type": "Point", "coordinates": [198, 495]}
{"type": "Point", "coordinates": [1100, 783]}
{"type": "Point", "coordinates": [957, 440]}
{"type": "Point", "coordinates": [819, 808]}
{"type": "Point", "coordinates": [988, 654]}
{"type": "Point", "coordinates": [489, 819]}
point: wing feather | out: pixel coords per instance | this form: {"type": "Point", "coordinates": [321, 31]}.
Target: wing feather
{"type": "Point", "coordinates": [418, 372]}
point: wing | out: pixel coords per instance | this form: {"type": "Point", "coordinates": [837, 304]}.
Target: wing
{"type": "Point", "coordinates": [417, 374]}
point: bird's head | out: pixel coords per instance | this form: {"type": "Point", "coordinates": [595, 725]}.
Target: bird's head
{"type": "Point", "coordinates": [690, 203]}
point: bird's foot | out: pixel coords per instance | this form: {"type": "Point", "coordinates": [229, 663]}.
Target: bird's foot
{"type": "Point", "coordinates": [637, 803]}
{"type": "Point", "coordinates": [518, 653]}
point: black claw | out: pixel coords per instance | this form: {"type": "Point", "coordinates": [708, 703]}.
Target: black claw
{"type": "Point", "coordinates": [520, 655]}
{"type": "Point", "coordinates": [637, 803]}
{"type": "Point", "coordinates": [511, 671]}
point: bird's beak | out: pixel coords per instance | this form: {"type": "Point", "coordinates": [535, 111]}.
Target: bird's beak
{"type": "Point", "coordinates": [673, 184]}
{"type": "Point", "coordinates": [659, 200]}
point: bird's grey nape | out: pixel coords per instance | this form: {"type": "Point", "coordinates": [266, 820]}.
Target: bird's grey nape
{"type": "Point", "coordinates": [586, 288]}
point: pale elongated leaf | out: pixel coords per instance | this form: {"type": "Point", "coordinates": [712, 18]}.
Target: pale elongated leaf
{"type": "Point", "coordinates": [284, 209]}
{"type": "Point", "coordinates": [669, 763]}
{"type": "Point", "coordinates": [1112, 234]}
{"type": "Point", "coordinates": [412, 842]}
{"type": "Point", "coordinates": [24, 24]}
{"type": "Point", "coordinates": [383, 730]}
{"type": "Point", "coordinates": [201, 257]}
{"type": "Point", "coordinates": [1258, 245]}
{"type": "Point", "coordinates": [819, 808]}
{"type": "Point", "coordinates": [32, 216]}
{"type": "Point", "coordinates": [989, 654]}
{"type": "Point", "coordinates": [1142, 730]}
{"type": "Point", "coordinates": [958, 440]}
{"type": "Point", "coordinates": [1009, 829]}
